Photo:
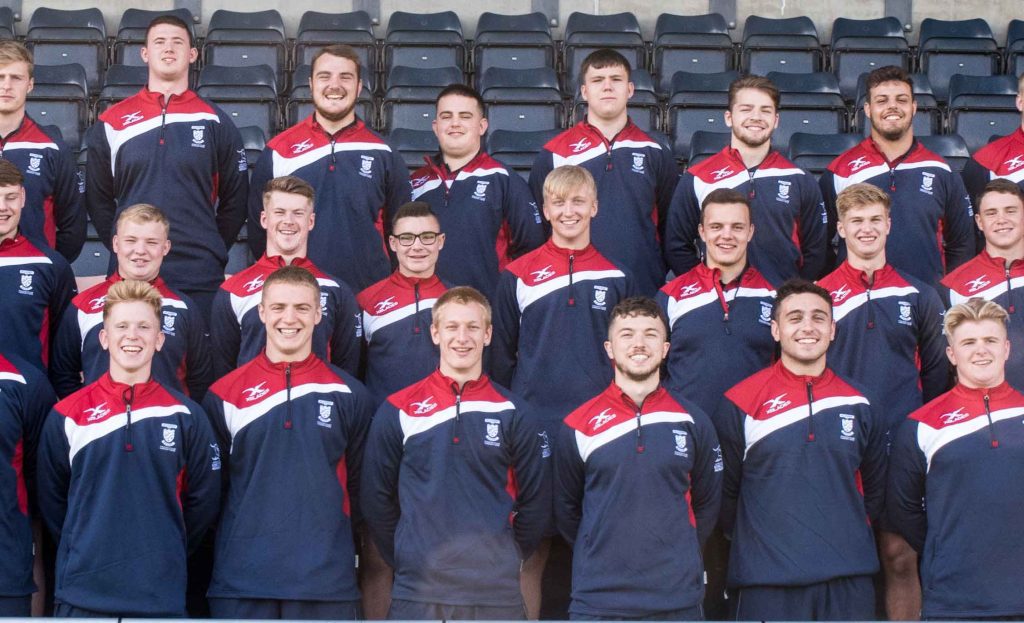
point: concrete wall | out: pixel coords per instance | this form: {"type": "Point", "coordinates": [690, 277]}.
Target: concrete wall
{"type": "Point", "coordinates": [996, 12]}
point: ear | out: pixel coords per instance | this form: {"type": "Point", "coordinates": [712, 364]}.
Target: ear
{"type": "Point", "coordinates": [160, 340]}
{"type": "Point", "coordinates": [104, 340]}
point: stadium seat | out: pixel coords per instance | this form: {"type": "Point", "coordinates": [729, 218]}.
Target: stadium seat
{"type": "Point", "coordinates": [955, 47]}
{"type": "Point", "coordinates": [787, 45]}
{"type": "Point", "coordinates": [254, 140]}
{"type": "Point", "coordinates": [980, 106]}
{"type": "Point", "coordinates": [413, 145]}
{"type": "Point", "coordinates": [512, 42]}
{"type": "Point", "coordinates": [6, 23]}
{"type": "Point", "coordinates": [863, 45]}
{"type": "Point", "coordinates": [247, 39]}
{"type": "Point", "coordinates": [694, 43]}
{"type": "Point", "coordinates": [644, 108]}
{"type": "Point", "coordinates": [810, 103]}
{"type": "Point", "coordinates": [522, 99]}
{"type": "Point", "coordinates": [518, 150]}
{"type": "Point", "coordinates": [300, 99]}
{"type": "Point", "coordinates": [928, 119]}
{"type": "Point", "coordinates": [59, 37]}
{"type": "Point", "coordinates": [131, 33]}
{"type": "Point", "coordinates": [1015, 47]}
{"type": "Point", "coordinates": [318, 30]}
{"type": "Point", "coordinates": [585, 33]}
{"type": "Point", "coordinates": [239, 256]}
{"type": "Point", "coordinates": [121, 82]}
{"type": "Point", "coordinates": [410, 95]}
{"type": "Point", "coordinates": [814, 152]}
{"type": "Point", "coordinates": [706, 144]}
{"type": "Point", "coordinates": [94, 260]}
{"type": "Point", "coordinates": [697, 103]}
{"type": "Point", "coordinates": [247, 94]}
{"type": "Point", "coordinates": [950, 146]}
{"type": "Point", "coordinates": [424, 41]}
{"type": "Point", "coordinates": [61, 98]}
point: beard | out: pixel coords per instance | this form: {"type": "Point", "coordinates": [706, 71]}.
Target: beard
{"type": "Point", "coordinates": [639, 376]}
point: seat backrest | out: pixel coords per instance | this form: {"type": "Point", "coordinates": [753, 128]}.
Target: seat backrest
{"type": "Point", "coordinates": [881, 27]}
{"type": "Point", "coordinates": [960, 84]}
{"type": "Point", "coordinates": [253, 138]}
{"type": "Point", "coordinates": [687, 81]}
{"type": "Point", "coordinates": [66, 75]}
{"type": "Point", "coordinates": [6, 23]}
{"type": "Point", "coordinates": [223, 19]}
{"type": "Point", "coordinates": [443, 21]}
{"type": "Point", "coordinates": [134, 20]}
{"type": "Point", "coordinates": [805, 144]}
{"type": "Point", "coordinates": [527, 22]}
{"type": "Point", "coordinates": [705, 143]}
{"type": "Point", "coordinates": [126, 75]}
{"type": "Point", "coordinates": [404, 139]}
{"type": "Point", "coordinates": [625, 23]}
{"type": "Point", "coordinates": [509, 141]}
{"type": "Point", "coordinates": [946, 145]}
{"type": "Point", "coordinates": [537, 78]}
{"type": "Point", "coordinates": [44, 17]}
{"type": "Point", "coordinates": [757, 25]}
{"type": "Point", "coordinates": [402, 76]}
{"type": "Point", "coordinates": [709, 23]}
{"type": "Point", "coordinates": [1014, 32]}
{"type": "Point", "coordinates": [352, 21]}
{"type": "Point", "coordinates": [817, 82]}
{"type": "Point", "coordinates": [976, 28]}
{"type": "Point", "coordinates": [254, 75]}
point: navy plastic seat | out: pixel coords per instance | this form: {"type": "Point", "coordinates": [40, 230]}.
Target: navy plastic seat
{"type": "Point", "coordinates": [253, 140]}
{"type": "Point", "coordinates": [409, 101]}
{"type": "Point", "coordinates": [585, 33]}
{"type": "Point", "coordinates": [927, 120]}
{"type": "Point", "coordinates": [980, 106]}
{"type": "Point", "coordinates": [810, 103]}
{"type": "Point", "coordinates": [814, 152]}
{"type": "Point", "coordinates": [518, 149]}
{"type": "Point", "coordinates": [694, 43]}
{"type": "Point", "coordinates": [6, 23]}
{"type": "Point", "coordinates": [705, 144]}
{"type": "Point", "coordinates": [522, 99]}
{"type": "Point", "coordinates": [787, 45]}
{"type": "Point", "coordinates": [1015, 47]}
{"type": "Point", "coordinates": [247, 39]}
{"type": "Point", "coordinates": [94, 260]}
{"type": "Point", "coordinates": [644, 108]}
{"type": "Point", "coordinates": [61, 37]}
{"type": "Point", "coordinates": [955, 47]}
{"type": "Point", "coordinates": [512, 42]}
{"type": "Point", "coordinates": [300, 98]}
{"type": "Point", "coordinates": [131, 33]}
{"type": "Point", "coordinates": [318, 30]}
{"type": "Point", "coordinates": [698, 103]}
{"type": "Point", "coordinates": [863, 45]}
{"type": "Point", "coordinates": [121, 82]}
{"type": "Point", "coordinates": [424, 41]}
{"type": "Point", "coordinates": [247, 94]}
{"type": "Point", "coordinates": [61, 98]}
{"type": "Point", "coordinates": [950, 146]}
{"type": "Point", "coordinates": [413, 145]}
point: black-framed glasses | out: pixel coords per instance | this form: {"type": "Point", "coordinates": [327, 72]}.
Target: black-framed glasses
{"type": "Point", "coordinates": [427, 237]}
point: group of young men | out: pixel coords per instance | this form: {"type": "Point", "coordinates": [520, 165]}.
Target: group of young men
{"type": "Point", "coordinates": [430, 389]}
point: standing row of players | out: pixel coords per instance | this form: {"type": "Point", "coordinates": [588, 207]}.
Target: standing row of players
{"type": "Point", "coordinates": [359, 182]}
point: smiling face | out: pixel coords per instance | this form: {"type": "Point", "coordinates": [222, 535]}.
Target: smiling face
{"type": "Point", "coordinates": [1000, 216]}
{"type": "Point", "coordinates": [131, 334]}
{"type": "Point", "coordinates": [726, 231]}
{"type": "Point", "coordinates": [12, 202]}
{"type": "Point", "coordinates": [636, 345]}
{"type": "Point", "coordinates": [570, 215]}
{"type": "Point", "coordinates": [417, 259]}
{"type": "Point", "coordinates": [890, 107]}
{"type": "Point", "coordinates": [752, 117]}
{"type": "Point", "coordinates": [979, 350]}
{"type": "Point", "coordinates": [288, 219]}
{"type": "Point", "coordinates": [140, 249]}
{"type": "Point", "coordinates": [461, 331]}
{"type": "Point", "coordinates": [289, 312]}
{"type": "Point", "coordinates": [804, 329]}
{"type": "Point", "coordinates": [459, 126]}
{"type": "Point", "coordinates": [335, 86]}
{"type": "Point", "coordinates": [168, 52]}
{"type": "Point", "coordinates": [865, 230]}
{"type": "Point", "coordinates": [607, 91]}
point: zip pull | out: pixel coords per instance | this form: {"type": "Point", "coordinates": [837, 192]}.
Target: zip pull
{"type": "Point", "coordinates": [871, 311]}
{"type": "Point", "coordinates": [416, 316]}
{"type": "Point", "coordinates": [288, 397]}
{"type": "Point", "coordinates": [991, 429]}
{"type": "Point", "coordinates": [1009, 293]}
{"type": "Point", "coordinates": [608, 160]}
{"type": "Point", "coordinates": [163, 116]}
{"type": "Point", "coordinates": [810, 412]}
{"type": "Point", "coordinates": [334, 158]}
{"type": "Point", "coordinates": [572, 297]}
{"type": "Point", "coordinates": [639, 438]}
{"type": "Point", "coordinates": [892, 179]}
{"type": "Point", "coordinates": [458, 410]}
{"type": "Point", "coordinates": [128, 396]}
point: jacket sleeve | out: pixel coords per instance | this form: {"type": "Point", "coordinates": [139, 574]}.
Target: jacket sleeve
{"type": "Point", "coordinates": [728, 421]}
{"type": "Point", "coordinates": [100, 194]}
{"type": "Point", "coordinates": [523, 219]}
{"type": "Point", "coordinates": [668, 180]}
{"type": "Point", "coordinates": [346, 332]}
{"type": "Point", "coordinates": [681, 235]}
{"type": "Point", "coordinates": [505, 342]}
{"type": "Point", "coordinates": [813, 230]}
{"type": "Point", "coordinates": [201, 502]}
{"type": "Point", "coordinates": [66, 355]}
{"type": "Point", "coordinates": [379, 486]}
{"type": "Point", "coordinates": [262, 173]}
{"type": "Point", "coordinates": [873, 465]}
{"type": "Point", "coordinates": [542, 165]}
{"type": "Point", "coordinates": [68, 204]}
{"type": "Point", "coordinates": [531, 465]}
{"type": "Point", "coordinates": [569, 484]}
{"type": "Point", "coordinates": [358, 415]}
{"type": "Point", "coordinates": [975, 178]}
{"type": "Point", "coordinates": [53, 473]}
{"type": "Point", "coordinates": [35, 400]}
{"type": "Point", "coordinates": [906, 490]}
{"type": "Point", "coordinates": [827, 183]}
{"type": "Point", "coordinates": [931, 345]}
{"type": "Point", "coordinates": [64, 289]}
{"type": "Point", "coordinates": [706, 477]}
{"type": "Point", "coordinates": [226, 335]}
{"type": "Point", "coordinates": [398, 191]}
{"type": "Point", "coordinates": [232, 181]}
{"type": "Point", "coordinates": [959, 230]}
{"type": "Point", "coordinates": [198, 360]}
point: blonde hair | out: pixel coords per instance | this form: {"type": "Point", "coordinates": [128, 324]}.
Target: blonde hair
{"type": "Point", "coordinates": [860, 196]}
{"type": "Point", "coordinates": [974, 310]}
{"type": "Point", "coordinates": [464, 295]}
{"type": "Point", "coordinates": [143, 213]}
{"type": "Point", "coordinates": [288, 184]}
{"type": "Point", "coordinates": [565, 179]}
{"type": "Point", "coordinates": [14, 52]}
{"type": "Point", "coordinates": [131, 291]}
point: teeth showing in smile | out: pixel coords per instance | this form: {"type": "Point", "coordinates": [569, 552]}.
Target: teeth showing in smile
{"type": "Point", "coordinates": [131, 349]}
{"type": "Point", "coordinates": [289, 331]}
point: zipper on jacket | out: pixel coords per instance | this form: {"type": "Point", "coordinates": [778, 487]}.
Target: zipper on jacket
{"type": "Point", "coordinates": [892, 179]}
{"type": "Point", "coordinates": [810, 412]}
{"type": "Point", "coordinates": [416, 322]}
{"type": "Point", "coordinates": [129, 397]}
{"type": "Point", "coordinates": [334, 157]}
{"type": "Point", "coordinates": [720, 291]}
{"type": "Point", "coordinates": [991, 429]}
{"type": "Point", "coordinates": [163, 115]}
{"type": "Point", "coordinates": [572, 298]}
{"type": "Point", "coordinates": [639, 436]}
{"type": "Point", "coordinates": [458, 413]}
{"type": "Point", "coordinates": [288, 397]}
{"type": "Point", "coordinates": [871, 310]}
{"type": "Point", "coordinates": [1009, 291]}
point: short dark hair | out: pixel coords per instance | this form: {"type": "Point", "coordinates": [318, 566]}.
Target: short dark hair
{"type": "Point", "coordinates": [457, 88]}
{"type": "Point", "coordinates": [1002, 186]}
{"type": "Point", "coordinates": [171, 20]}
{"type": "Point", "coordinates": [10, 175]}
{"type": "Point", "coordinates": [294, 275]}
{"type": "Point", "coordinates": [605, 57]}
{"type": "Point", "coordinates": [414, 209]}
{"type": "Point", "coordinates": [758, 83]}
{"type": "Point", "coordinates": [889, 73]}
{"type": "Point", "coordinates": [341, 50]}
{"type": "Point", "coordinates": [725, 195]}
{"type": "Point", "coordinates": [792, 287]}
{"type": "Point", "coordinates": [633, 306]}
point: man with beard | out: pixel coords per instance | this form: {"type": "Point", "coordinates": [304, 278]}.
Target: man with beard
{"type": "Point", "coordinates": [932, 223]}
{"type": "Point", "coordinates": [785, 203]}
{"type": "Point", "coordinates": [638, 479]}
{"type": "Point", "coordinates": [359, 180]}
